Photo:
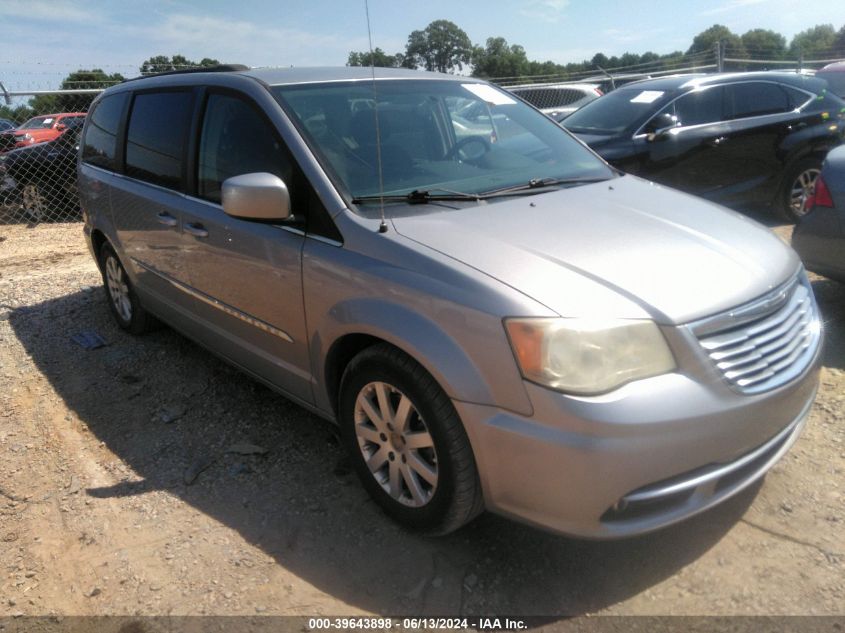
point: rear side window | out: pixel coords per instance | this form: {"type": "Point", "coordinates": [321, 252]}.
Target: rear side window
{"type": "Point", "coordinates": [797, 98]}
{"type": "Point", "coordinates": [237, 140]}
{"type": "Point", "coordinates": [155, 140]}
{"type": "Point", "coordinates": [100, 143]}
{"type": "Point", "coordinates": [756, 99]}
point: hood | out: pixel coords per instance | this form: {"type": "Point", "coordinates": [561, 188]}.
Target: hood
{"type": "Point", "coordinates": [618, 248]}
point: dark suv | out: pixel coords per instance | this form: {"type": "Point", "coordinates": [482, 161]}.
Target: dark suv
{"type": "Point", "coordinates": [737, 139]}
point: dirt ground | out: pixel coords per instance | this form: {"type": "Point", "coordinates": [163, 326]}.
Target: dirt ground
{"type": "Point", "coordinates": [134, 480]}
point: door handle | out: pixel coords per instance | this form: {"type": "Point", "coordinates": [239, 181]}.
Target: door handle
{"type": "Point", "coordinates": [719, 140]}
{"type": "Point", "coordinates": [166, 219]}
{"type": "Point", "coordinates": [196, 229]}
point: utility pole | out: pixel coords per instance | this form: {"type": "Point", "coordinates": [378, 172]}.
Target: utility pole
{"type": "Point", "coordinates": [720, 64]}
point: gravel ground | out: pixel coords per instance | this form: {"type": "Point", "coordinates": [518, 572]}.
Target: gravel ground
{"type": "Point", "coordinates": [147, 477]}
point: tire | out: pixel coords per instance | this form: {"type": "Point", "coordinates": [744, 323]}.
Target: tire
{"type": "Point", "coordinates": [422, 473]}
{"type": "Point", "coordinates": [121, 296]}
{"type": "Point", "coordinates": [35, 202]}
{"type": "Point", "coordinates": [797, 185]}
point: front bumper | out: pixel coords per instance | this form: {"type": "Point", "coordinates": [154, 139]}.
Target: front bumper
{"type": "Point", "coordinates": [650, 454]}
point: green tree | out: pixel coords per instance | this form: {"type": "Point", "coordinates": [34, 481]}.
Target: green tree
{"type": "Point", "coordinates": [377, 58]}
{"type": "Point", "coordinates": [17, 114]}
{"type": "Point", "coordinates": [706, 42]}
{"type": "Point", "coordinates": [764, 44]}
{"type": "Point", "coordinates": [441, 46]}
{"type": "Point", "coordinates": [549, 68]}
{"type": "Point", "coordinates": [629, 59]}
{"type": "Point", "coordinates": [163, 63]}
{"type": "Point", "coordinates": [599, 60]}
{"type": "Point", "coordinates": [839, 43]}
{"type": "Point", "coordinates": [498, 59]}
{"type": "Point", "coordinates": [814, 43]}
{"type": "Point", "coordinates": [80, 79]}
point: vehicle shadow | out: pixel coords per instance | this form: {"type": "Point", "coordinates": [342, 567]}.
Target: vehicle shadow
{"type": "Point", "coordinates": [169, 409]}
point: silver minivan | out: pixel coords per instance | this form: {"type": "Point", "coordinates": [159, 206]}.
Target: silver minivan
{"type": "Point", "coordinates": [495, 317]}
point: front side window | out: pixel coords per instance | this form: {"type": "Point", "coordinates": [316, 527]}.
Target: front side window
{"type": "Point", "coordinates": [432, 135]}
{"type": "Point", "coordinates": [100, 143]}
{"type": "Point", "coordinates": [156, 135]}
{"type": "Point", "coordinates": [237, 140]}
{"type": "Point", "coordinates": [699, 107]}
{"type": "Point", "coordinates": [755, 99]}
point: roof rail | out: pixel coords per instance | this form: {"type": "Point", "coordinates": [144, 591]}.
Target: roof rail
{"type": "Point", "coordinates": [219, 68]}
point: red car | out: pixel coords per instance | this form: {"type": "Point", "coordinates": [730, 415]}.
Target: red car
{"type": "Point", "coordinates": [39, 129]}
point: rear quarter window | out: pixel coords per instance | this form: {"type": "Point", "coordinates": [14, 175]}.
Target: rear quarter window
{"type": "Point", "coordinates": [156, 136]}
{"type": "Point", "coordinates": [835, 81]}
{"type": "Point", "coordinates": [99, 147]}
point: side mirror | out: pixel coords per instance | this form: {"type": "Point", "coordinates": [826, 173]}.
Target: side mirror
{"type": "Point", "coordinates": [258, 196]}
{"type": "Point", "coordinates": [61, 127]}
{"type": "Point", "coordinates": [660, 124]}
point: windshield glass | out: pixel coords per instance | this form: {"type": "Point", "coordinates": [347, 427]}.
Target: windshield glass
{"type": "Point", "coordinates": [39, 122]}
{"type": "Point", "coordinates": [435, 136]}
{"type": "Point", "coordinates": [617, 111]}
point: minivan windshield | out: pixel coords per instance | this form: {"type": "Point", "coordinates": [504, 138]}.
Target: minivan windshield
{"type": "Point", "coordinates": [435, 137]}
{"type": "Point", "coordinates": [617, 111]}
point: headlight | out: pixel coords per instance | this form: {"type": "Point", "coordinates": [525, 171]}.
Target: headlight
{"type": "Point", "coordinates": [588, 356]}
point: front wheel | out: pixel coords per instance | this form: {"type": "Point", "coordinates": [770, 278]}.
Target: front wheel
{"type": "Point", "coordinates": [407, 443]}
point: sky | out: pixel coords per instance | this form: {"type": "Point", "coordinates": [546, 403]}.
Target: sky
{"type": "Point", "coordinates": [43, 40]}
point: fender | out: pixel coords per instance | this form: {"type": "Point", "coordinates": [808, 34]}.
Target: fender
{"type": "Point", "coordinates": [425, 341]}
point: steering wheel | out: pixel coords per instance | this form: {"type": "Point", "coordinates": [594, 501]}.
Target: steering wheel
{"type": "Point", "coordinates": [458, 149]}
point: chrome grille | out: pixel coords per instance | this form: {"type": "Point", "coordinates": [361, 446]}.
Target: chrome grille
{"type": "Point", "coordinates": [766, 343]}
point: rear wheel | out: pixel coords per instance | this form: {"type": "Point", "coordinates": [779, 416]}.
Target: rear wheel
{"type": "Point", "coordinates": [407, 443]}
{"type": "Point", "coordinates": [123, 301]}
{"type": "Point", "coordinates": [797, 187]}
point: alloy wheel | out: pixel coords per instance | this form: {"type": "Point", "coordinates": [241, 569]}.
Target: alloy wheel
{"type": "Point", "coordinates": [802, 189]}
{"type": "Point", "coordinates": [396, 444]}
{"type": "Point", "coordinates": [118, 288]}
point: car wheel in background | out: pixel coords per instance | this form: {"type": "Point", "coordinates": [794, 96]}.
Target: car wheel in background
{"type": "Point", "coordinates": [34, 201]}
{"type": "Point", "coordinates": [122, 299]}
{"type": "Point", "coordinates": [797, 188]}
{"type": "Point", "coordinates": [407, 443]}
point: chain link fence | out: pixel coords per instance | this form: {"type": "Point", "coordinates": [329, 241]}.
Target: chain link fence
{"type": "Point", "coordinates": [39, 141]}
{"type": "Point", "coordinates": [39, 128]}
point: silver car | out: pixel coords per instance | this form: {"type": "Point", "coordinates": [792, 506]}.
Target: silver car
{"type": "Point", "coordinates": [557, 101]}
{"type": "Point", "coordinates": [496, 319]}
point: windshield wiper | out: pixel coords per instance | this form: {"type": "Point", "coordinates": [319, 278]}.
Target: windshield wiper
{"type": "Point", "coordinates": [418, 197]}
{"type": "Point", "coordinates": [539, 183]}
{"type": "Point", "coordinates": [423, 196]}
